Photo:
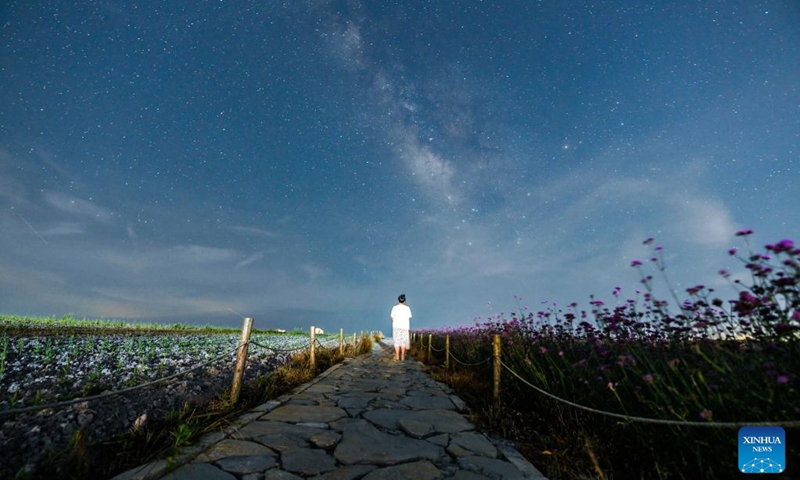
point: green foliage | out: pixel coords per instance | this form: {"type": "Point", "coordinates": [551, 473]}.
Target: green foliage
{"type": "Point", "coordinates": [364, 345]}
{"type": "Point", "coordinates": [182, 434]}
{"type": "Point", "coordinates": [3, 355]}
{"type": "Point", "coordinates": [68, 323]}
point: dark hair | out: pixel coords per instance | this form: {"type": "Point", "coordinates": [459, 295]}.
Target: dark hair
{"type": "Point", "coordinates": [402, 298]}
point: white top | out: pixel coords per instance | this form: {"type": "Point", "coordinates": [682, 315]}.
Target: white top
{"type": "Point", "coordinates": [400, 316]}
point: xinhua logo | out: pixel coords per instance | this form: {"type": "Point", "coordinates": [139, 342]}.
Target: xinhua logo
{"type": "Point", "coordinates": [762, 450]}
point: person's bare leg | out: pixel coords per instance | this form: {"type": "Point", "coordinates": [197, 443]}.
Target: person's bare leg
{"type": "Point", "coordinates": [396, 352]}
{"type": "Point", "coordinates": [402, 353]}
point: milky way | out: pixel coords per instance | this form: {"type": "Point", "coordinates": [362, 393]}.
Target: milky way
{"type": "Point", "coordinates": [306, 162]}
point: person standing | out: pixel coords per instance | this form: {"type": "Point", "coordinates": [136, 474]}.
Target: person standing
{"type": "Point", "coordinates": [401, 315]}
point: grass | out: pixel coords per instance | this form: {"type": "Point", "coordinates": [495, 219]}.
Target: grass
{"type": "Point", "coordinates": [702, 359]}
{"type": "Point", "coordinates": [68, 324]}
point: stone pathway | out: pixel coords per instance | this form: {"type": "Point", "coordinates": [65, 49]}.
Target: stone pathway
{"type": "Point", "coordinates": [369, 418]}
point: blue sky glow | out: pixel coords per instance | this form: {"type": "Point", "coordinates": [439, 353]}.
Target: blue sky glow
{"type": "Point", "coordinates": [305, 162]}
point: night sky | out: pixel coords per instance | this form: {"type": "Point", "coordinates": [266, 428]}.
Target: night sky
{"type": "Point", "coordinates": [304, 162]}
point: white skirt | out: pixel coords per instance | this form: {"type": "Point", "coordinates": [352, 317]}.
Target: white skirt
{"type": "Point", "coordinates": [400, 337]}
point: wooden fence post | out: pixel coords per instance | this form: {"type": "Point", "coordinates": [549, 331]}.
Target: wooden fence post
{"type": "Point", "coordinates": [313, 359]}
{"type": "Point", "coordinates": [341, 341]}
{"type": "Point", "coordinates": [430, 336]}
{"type": "Point", "coordinates": [241, 359]}
{"type": "Point", "coordinates": [496, 368]}
{"type": "Point", "coordinates": [447, 352]}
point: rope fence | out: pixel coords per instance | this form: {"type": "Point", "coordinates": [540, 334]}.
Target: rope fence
{"type": "Point", "coordinates": [485, 360]}
{"type": "Point", "coordinates": [277, 350]}
{"type": "Point", "coordinates": [241, 354]}
{"type": "Point", "coordinates": [498, 363]}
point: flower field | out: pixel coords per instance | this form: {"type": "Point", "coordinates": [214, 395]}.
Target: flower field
{"type": "Point", "coordinates": [47, 363]}
{"type": "Point", "coordinates": [644, 387]}
{"type": "Point", "coordinates": [62, 365]}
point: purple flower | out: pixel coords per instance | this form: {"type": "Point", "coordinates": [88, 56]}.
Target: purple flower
{"type": "Point", "coordinates": [796, 315]}
{"type": "Point", "coordinates": [744, 233]}
{"type": "Point", "coordinates": [782, 328]}
{"type": "Point", "coordinates": [648, 241]}
{"type": "Point", "coordinates": [636, 263]}
{"type": "Point", "coordinates": [733, 251]}
{"type": "Point", "coordinates": [695, 290]}
{"type": "Point", "coordinates": [706, 414]}
{"type": "Point", "coordinates": [783, 379]}
{"type": "Point", "coordinates": [648, 377]}
{"type": "Point", "coordinates": [785, 245]}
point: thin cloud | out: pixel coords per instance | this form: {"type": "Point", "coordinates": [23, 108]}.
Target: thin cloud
{"type": "Point", "coordinates": [63, 228]}
{"type": "Point", "coordinates": [177, 257]}
{"type": "Point", "coordinates": [314, 271]}
{"type": "Point", "coordinates": [247, 230]}
{"type": "Point", "coordinates": [704, 221]}
{"type": "Point", "coordinates": [250, 260]}
{"type": "Point", "coordinates": [200, 254]}
{"type": "Point", "coordinates": [77, 206]}
{"type": "Point", "coordinates": [11, 189]}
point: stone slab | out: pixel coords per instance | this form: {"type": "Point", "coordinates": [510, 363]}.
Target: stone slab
{"type": "Point", "coordinates": [423, 470]}
{"type": "Point", "coordinates": [198, 471]}
{"type": "Point", "coordinates": [415, 428]}
{"type": "Point", "coordinates": [244, 464]}
{"type": "Point", "coordinates": [280, 475]}
{"type": "Point", "coordinates": [228, 448]}
{"type": "Point", "coordinates": [325, 440]}
{"type": "Point", "coordinates": [490, 467]}
{"type": "Point", "coordinates": [349, 472]}
{"type": "Point", "coordinates": [305, 413]}
{"type": "Point", "coordinates": [428, 402]}
{"type": "Point", "coordinates": [474, 442]}
{"type": "Point", "coordinates": [362, 443]}
{"type": "Point", "coordinates": [254, 430]}
{"type": "Point", "coordinates": [442, 421]}
{"type": "Point", "coordinates": [307, 461]}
